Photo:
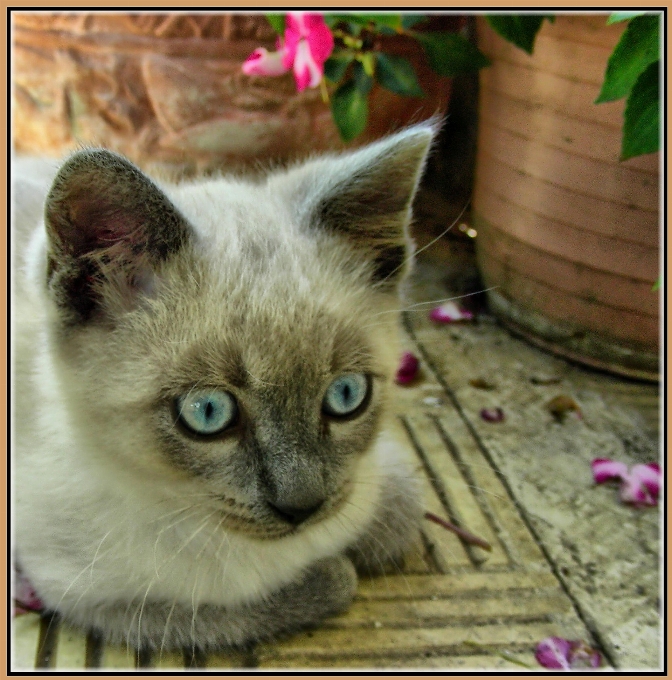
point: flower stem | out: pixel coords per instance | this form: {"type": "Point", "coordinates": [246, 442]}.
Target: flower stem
{"type": "Point", "coordinates": [324, 91]}
{"type": "Point", "coordinates": [462, 533]}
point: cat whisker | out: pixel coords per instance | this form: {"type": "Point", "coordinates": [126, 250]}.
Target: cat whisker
{"type": "Point", "coordinates": [165, 627]}
{"type": "Point", "coordinates": [431, 243]}
{"type": "Point", "coordinates": [413, 307]}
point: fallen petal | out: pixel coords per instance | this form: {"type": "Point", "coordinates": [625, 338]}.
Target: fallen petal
{"type": "Point", "coordinates": [492, 415]}
{"type": "Point", "coordinates": [553, 652]}
{"type": "Point", "coordinates": [649, 477]}
{"type": "Point", "coordinates": [641, 486]}
{"type": "Point", "coordinates": [408, 369]}
{"type": "Point", "coordinates": [449, 312]}
{"type": "Point", "coordinates": [557, 652]}
{"type": "Point", "coordinates": [605, 469]}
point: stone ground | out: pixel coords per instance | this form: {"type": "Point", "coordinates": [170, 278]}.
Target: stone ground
{"type": "Point", "coordinates": [605, 554]}
{"type": "Point", "coordinates": [567, 557]}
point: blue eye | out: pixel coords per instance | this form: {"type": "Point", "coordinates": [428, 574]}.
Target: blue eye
{"type": "Point", "coordinates": [207, 412]}
{"type": "Point", "coordinates": [345, 395]}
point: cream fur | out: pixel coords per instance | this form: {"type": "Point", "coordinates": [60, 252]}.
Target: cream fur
{"type": "Point", "coordinates": [102, 517]}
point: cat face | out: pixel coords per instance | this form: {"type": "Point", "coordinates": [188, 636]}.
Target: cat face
{"type": "Point", "coordinates": [234, 342]}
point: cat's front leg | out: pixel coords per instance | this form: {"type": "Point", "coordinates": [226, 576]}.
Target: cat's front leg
{"type": "Point", "coordinates": [395, 524]}
{"type": "Point", "coordinates": [324, 589]}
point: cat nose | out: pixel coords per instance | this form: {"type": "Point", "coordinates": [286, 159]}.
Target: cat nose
{"type": "Point", "coordinates": [294, 515]}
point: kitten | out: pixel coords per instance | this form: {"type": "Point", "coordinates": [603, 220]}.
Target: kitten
{"type": "Point", "coordinates": [204, 450]}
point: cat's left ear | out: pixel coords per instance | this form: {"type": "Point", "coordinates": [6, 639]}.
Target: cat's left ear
{"type": "Point", "coordinates": [366, 196]}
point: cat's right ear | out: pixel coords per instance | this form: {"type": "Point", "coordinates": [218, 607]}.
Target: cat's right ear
{"type": "Point", "coordinates": [108, 227]}
{"type": "Point", "coordinates": [364, 197]}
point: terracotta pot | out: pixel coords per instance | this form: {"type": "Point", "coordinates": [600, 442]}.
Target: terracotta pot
{"type": "Point", "coordinates": [567, 233]}
{"type": "Point", "coordinates": [167, 90]}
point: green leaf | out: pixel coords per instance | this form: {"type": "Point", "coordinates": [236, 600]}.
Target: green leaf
{"type": "Point", "coordinates": [656, 284]}
{"type": "Point", "coordinates": [277, 22]}
{"type": "Point", "coordinates": [520, 29]}
{"type": "Point", "coordinates": [638, 47]}
{"type": "Point", "coordinates": [450, 54]}
{"type": "Point", "coordinates": [363, 80]}
{"type": "Point", "coordinates": [641, 126]}
{"type": "Point", "coordinates": [336, 66]}
{"type": "Point", "coordinates": [410, 20]}
{"type": "Point", "coordinates": [390, 20]}
{"type": "Point", "coordinates": [350, 110]}
{"type": "Point", "coordinates": [615, 17]}
{"type": "Point", "coordinates": [398, 75]}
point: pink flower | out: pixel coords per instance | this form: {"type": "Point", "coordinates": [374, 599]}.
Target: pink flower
{"type": "Point", "coordinates": [307, 44]}
{"type": "Point", "coordinates": [556, 652]}
{"type": "Point", "coordinates": [264, 63]}
{"type": "Point", "coordinates": [408, 369]}
{"type": "Point", "coordinates": [639, 486]}
{"type": "Point", "coordinates": [449, 312]}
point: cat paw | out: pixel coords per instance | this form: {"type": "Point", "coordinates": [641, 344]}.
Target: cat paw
{"type": "Point", "coordinates": [332, 583]}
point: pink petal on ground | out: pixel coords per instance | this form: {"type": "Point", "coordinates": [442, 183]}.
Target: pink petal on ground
{"type": "Point", "coordinates": [649, 476]}
{"type": "Point", "coordinates": [408, 369]}
{"type": "Point", "coordinates": [639, 486]}
{"type": "Point", "coordinates": [642, 485]}
{"type": "Point", "coordinates": [605, 469]}
{"type": "Point", "coordinates": [492, 415]}
{"type": "Point", "coordinates": [449, 312]}
{"type": "Point", "coordinates": [556, 652]}
{"type": "Point", "coordinates": [553, 652]}
{"type": "Point", "coordinates": [264, 63]}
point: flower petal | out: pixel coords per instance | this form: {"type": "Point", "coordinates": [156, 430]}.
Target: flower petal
{"type": "Point", "coordinates": [303, 26]}
{"type": "Point", "coordinates": [557, 652]}
{"type": "Point", "coordinates": [605, 469]}
{"type": "Point", "coordinates": [449, 312]}
{"type": "Point", "coordinates": [641, 486]}
{"type": "Point", "coordinates": [307, 73]}
{"type": "Point", "coordinates": [492, 415]}
{"type": "Point", "coordinates": [319, 37]}
{"type": "Point", "coordinates": [408, 369]}
{"type": "Point", "coordinates": [264, 63]}
{"type": "Point", "coordinates": [553, 652]}
{"type": "Point", "coordinates": [649, 477]}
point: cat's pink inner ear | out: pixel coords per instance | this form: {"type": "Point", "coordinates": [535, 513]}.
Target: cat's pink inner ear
{"type": "Point", "coordinates": [93, 224]}
{"type": "Point", "coordinates": [101, 201]}
{"type": "Point", "coordinates": [109, 227]}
